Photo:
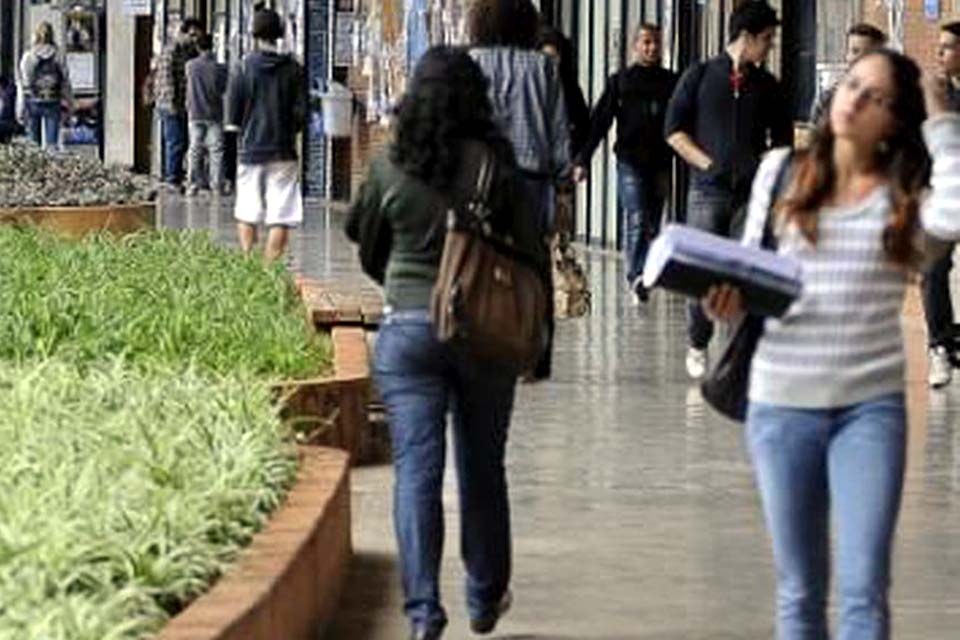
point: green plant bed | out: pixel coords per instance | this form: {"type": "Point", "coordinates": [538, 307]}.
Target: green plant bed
{"type": "Point", "coordinates": [156, 299]}
{"type": "Point", "coordinates": [125, 492]}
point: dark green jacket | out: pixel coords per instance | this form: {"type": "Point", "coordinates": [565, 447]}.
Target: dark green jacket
{"type": "Point", "coordinates": [399, 222]}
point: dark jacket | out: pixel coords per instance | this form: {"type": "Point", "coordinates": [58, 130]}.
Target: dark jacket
{"type": "Point", "coordinates": [734, 127]}
{"type": "Point", "coordinates": [267, 102]}
{"type": "Point", "coordinates": [637, 97]}
{"type": "Point", "coordinates": [413, 215]}
{"type": "Point", "coordinates": [206, 85]}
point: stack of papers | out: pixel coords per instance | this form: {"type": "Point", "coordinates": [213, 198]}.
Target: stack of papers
{"type": "Point", "coordinates": [690, 261]}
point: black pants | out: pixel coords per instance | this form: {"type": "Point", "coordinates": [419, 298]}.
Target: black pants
{"type": "Point", "coordinates": [937, 306]}
{"type": "Point", "coordinates": [720, 211]}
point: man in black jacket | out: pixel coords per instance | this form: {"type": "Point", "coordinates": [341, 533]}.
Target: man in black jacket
{"type": "Point", "coordinates": [724, 114]}
{"type": "Point", "coordinates": [266, 103]}
{"type": "Point", "coordinates": [637, 97]}
{"type": "Point", "coordinates": [937, 303]}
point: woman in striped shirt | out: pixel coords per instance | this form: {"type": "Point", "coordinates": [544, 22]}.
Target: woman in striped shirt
{"type": "Point", "coordinates": [826, 425]}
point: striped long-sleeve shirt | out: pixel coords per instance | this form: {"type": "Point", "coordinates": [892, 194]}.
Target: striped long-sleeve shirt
{"type": "Point", "coordinates": [841, 342]}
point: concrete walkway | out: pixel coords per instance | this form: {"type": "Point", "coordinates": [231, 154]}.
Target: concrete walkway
{"type": "Point", "coordinates": [634, 510]}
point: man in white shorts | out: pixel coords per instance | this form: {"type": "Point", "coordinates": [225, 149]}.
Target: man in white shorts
{"type": "Point", "coordinates": [267, 105]}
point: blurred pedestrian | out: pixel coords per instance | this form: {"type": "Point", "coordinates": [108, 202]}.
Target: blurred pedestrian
{"type": "Point", "coordinates": [45, 88]}
{"type": "Point", "coordinates": [636, 97]}
{"type": "Point", "coordinates": [266, 104]}
{"type": "Point", "coordinates": [170, 97]}
{"type": "Point", "coordinates": [206, 85]}
{"type": "Point", "coordinates": [558, 46]}
{"type": "Point", "coordinates": [861, 38]}
{"type": "Point", "coordinates": [9, 127]}
{"type": "Point", "coordinates": [527, 95]}
{"type": "Point", "coordinates": [937, 301]}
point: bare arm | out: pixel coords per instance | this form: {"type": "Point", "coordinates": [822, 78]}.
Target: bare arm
{"type": "Point", "coordinates": [689, 150]}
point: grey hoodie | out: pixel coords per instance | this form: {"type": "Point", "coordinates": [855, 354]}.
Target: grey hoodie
{"type": "Point", "coordinates": [29, 62]}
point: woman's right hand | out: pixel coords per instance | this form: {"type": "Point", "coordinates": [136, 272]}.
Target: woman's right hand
{"type": "Point", "coordinates": [723, 303]}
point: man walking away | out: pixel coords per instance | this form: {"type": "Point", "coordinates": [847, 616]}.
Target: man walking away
{"type": "Point", "coordinates": [170, 95]}
{"type": "Point", "coordinates": [861, 38]}
{"type": "Point", "coordinates": [44, 87]}
{"type": "Point", "coordinates": [937, 304]}
{"type": "Point", "coordinates": [637, 97]}
{"type": "Point", "coordinates": [722, 117]}
{"type": "Point", "coordinates": [206, 85]}
{"type": "Point", "coordinates": [266, 103]}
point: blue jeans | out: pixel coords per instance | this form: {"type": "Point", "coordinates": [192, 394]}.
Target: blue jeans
{"type": "Point", "coordinates": [808, 461]}
{"type": "Point", "coordinates": [937, 306]}
{"type": "Point", "coordinates": [174, 145]}
{"type": "Point", "coordinates": [206, 137]}
{"type": "Point", "coordinates": [641, 196]}
{"type": "Point", "coordinates": [420, 380]}
{"type": "Point", "coordinates": [43, 122]}
{"type": "Point", "coordinates": [719, 210]}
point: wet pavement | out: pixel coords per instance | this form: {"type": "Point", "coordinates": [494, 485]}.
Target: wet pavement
{"type": "Point", "coordinates": [634, 509]}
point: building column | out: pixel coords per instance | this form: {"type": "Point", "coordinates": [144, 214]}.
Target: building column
{"type": "Point", "coordinates": [799, 59]}
{"type": "Point", "coordinates": [119, 90]}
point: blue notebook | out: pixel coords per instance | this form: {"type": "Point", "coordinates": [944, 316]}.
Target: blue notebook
{"type": "Point", "coordinates": [690, 261]}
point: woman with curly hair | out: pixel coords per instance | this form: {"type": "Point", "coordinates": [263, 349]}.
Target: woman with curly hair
{"type": "Point", "coordinates": [443, 131]}
{"type": "Point", "coordinates": [826, 423]}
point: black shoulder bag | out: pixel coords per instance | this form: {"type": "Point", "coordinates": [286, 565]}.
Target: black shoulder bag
{"type": "Point", "coordinates": [726, 385]}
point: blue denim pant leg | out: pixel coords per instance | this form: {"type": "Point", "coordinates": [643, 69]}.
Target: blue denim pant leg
{"type": "Point", "coordinates": [419, 380]}
{"type": "Point", "coordinates": [937, 306]}
{"type": "Point", "coordinates": [43, 122]}
{"type": "Point", "coordinates": [641, 203]}
{"type": "Point", "coordinates": [713, 209]}
{"type": "Point", "coordinates": [174, 145]}
{"type": "Point", "coordinates": [482, 406]}
{"type": "Point", "coordinates": [805, 460]}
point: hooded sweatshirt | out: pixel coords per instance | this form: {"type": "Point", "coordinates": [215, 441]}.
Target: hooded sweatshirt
{"type": "Point", "coordinates": [28, 64]}
{"type": "Point", "coordinates": [267, 103]}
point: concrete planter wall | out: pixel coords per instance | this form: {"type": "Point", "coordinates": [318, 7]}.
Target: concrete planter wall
{"type": "Point", "coordinates": [287, 583]}
{"type": "Point", "coordinates": [76, 222]}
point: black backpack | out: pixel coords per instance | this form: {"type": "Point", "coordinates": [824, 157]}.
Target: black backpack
{"type": "Point", "coordinates": [46, 82]}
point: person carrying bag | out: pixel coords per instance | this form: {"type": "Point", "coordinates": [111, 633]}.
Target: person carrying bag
{"type": "Point", "coordinates": [456, 299]}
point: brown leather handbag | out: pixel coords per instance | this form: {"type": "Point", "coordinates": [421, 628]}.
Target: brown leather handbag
{"type": "Point", "coordinates": [488, 299]}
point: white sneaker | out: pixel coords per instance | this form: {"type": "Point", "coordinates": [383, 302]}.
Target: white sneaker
{"type": "Point", "coordinates": [696, 363]}
{"type": "Point", "coordinates": [941, 370]}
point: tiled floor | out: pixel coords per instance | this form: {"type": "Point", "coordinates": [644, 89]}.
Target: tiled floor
{"type": "Point", "coordinates": [634, 510]}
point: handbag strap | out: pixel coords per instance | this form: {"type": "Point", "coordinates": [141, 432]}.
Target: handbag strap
{"type": "Point", "coordinates": [479, 205]}
{"type": "Point", "coordinates": [769, 240]}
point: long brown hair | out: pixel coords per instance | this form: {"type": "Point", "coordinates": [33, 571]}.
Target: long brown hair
{"type": "Point", "coordinates": [902, 158]}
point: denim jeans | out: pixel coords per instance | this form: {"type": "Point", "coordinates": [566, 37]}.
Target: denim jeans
{"type": "Point", "coordinates": [206, 136]}
{"type": "Point", "coordinates": [641, 195]}
{"type": "Point", "coordinates": [174, 145]}
{"type": "Point", "coordinates": [721, 211]}
{"type": "Point", "coordinates": [808, 461]}
{"type": "Point", "coordinates": [43, 122]}
{"type": "Point", "coordinates": [421, 380]}
{"type": "Point", "coordinates": [937, 306]}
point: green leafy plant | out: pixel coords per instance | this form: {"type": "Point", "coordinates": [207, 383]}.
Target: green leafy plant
{"type": "Point", "coordinates": [124, 492]}
{"type": "Point", "coordinates": [154, 299]}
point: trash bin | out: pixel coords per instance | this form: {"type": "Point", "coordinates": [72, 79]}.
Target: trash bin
{"type": "Point", "coordinates": [337, 107]}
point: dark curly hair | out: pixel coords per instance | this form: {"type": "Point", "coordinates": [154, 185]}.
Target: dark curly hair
{"type": "Point", "coordinates": [505, 23]}
{"type": "Point", "coordinates": [445, 103]}
{"type": "Point", "coordinates": [904, 160]}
